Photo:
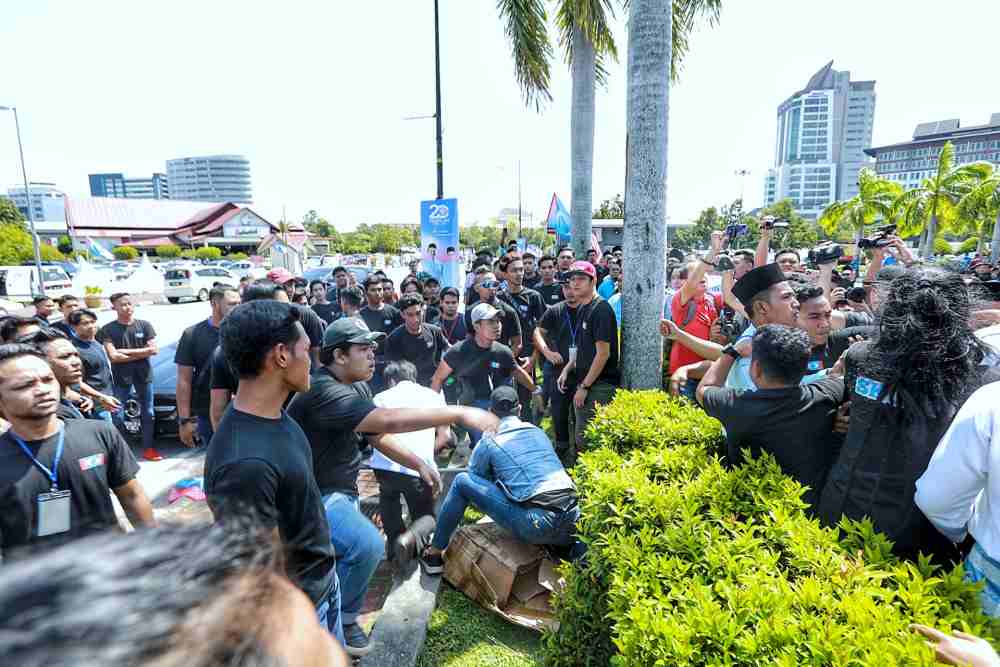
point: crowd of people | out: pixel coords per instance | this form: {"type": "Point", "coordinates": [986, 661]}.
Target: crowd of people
{"type": "Point", "coordinates": [871, 388]}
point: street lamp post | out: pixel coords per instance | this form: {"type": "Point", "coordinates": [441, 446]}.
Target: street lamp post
{"type": "Point", "coordinates": [27, 199]}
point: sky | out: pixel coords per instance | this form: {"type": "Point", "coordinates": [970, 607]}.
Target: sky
{"type": "Point", "coordinates": [315, 94]}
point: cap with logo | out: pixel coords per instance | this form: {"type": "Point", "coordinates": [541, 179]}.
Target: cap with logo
{"type": "Point", "coordinates": [350, 330]}
{"type": "Point", "coordinates": [483, 311]}
{"type": "Point", "coordinates": [503, 399]}
{"type": "Point", "coordinates": [581, 267]}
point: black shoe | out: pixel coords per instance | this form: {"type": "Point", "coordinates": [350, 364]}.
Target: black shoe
{"type": "Point", "coordinates": [433, 565]}
{"type": "Point", "coordinates": [356, 641]}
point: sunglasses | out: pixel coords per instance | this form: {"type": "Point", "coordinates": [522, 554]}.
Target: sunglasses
{"type": "Point", "coordinates": [489, 284]}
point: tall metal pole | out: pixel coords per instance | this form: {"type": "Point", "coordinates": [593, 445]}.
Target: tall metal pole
{"type": "Point", "coordinates": [27, 198]}
{"type": "Point", "coordinates": [520, 230]}
{"type": "Point", "coordinates": [437, 95]}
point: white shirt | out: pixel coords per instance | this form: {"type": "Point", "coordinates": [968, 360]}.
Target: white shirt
{"type": "Point", "coordinates": [991, 336]}
{"type": "Point", "coordinates": [408, 394]}
{"type": "Point", "coordinates": [960, 490]}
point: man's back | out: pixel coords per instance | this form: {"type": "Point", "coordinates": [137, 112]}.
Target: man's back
{"type": "Point", "coordinates": [521, 459]}
{"type": "Point", "coordinates": [408, 394]}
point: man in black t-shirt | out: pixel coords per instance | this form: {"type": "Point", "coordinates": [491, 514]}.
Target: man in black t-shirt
{"type": "Point", "coordinates": [378, 316]}
{"type": "Point", "coordinates": [334, 414]}
{"type": "Point", "coordinates": [96, 365]}
{"type": "Point", "coordinates": [480, 363]}
{"type": "Point", "coordinates": [259, 462]}
{"type": "Point", "coordinates": [596, 363]}
{"type": "Point", "coordinates": [130, 343]}
{"type": "Point", "coordinates": [564, 262]}
{"type": "Point", "coordinates": [549, 289]}
{"type": "Point", "coordinates": [194, 370]}
{"type": "Point", "coordinates": [791, 421]}
{"type": "Point", "coordinates": [528, 305]}
{"type": "Point", "coordinates": [452, 323]}
{"type": "Point", "coordinates": [94, 461]}
{"type": "Point", "coordinates": [67, 305]}
{"type": "Point", "coordinates": [531, 276]}
{"type": "Point", "coordinates": [555, 337]}
{"type": "Point", "coordinates": [327, 311]}
{"type": "Point", "coordinates": [417, 342]}
{"type": "Point", "coordinates": [64, 360]}
{"type": "Point", "coordinates": [816, 318]}
{"type": "Point", "coordinates": [44, 308]}
{"type": "Point", "coordinates": [486, 287]}
{"type": "Point", "coordinates": [432, 300]}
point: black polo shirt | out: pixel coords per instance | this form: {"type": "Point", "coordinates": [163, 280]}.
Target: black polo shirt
{"type": "Point", "coordinates": [529, 307]}
{"type": "Point", "coordinates": [423, 350]}
{"type": "Point", "coordinates": [511, 324]}
{"type": "Point", "coordinates": [129, 337]}
{"type": "Point", "coordinates": [480, 369]}
{"type": "Point", "coordinates": [551, 294]}
{"type": "Point", "coordinates": [195, 349]}
{"type": "Point", "coordinates": [597, 323]}
{"type": "Point", "coordinates": [559, 323]}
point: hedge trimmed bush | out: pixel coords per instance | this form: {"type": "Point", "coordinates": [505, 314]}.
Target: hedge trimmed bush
{"type": "Point", "coordinates": [691, 563]}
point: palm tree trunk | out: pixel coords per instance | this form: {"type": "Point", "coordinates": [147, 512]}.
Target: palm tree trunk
{"type": "Point", "coordinates": [928, 250]}
{"type": "Point", "coordinates": [581, 130]}
{"type": "Point", "coordinates": [995, 246]}
{"type": "Point", "coordinates": [648, 95]}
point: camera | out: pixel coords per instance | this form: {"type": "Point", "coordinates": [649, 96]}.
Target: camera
{"type": "Point", "coordinates": [879, 239]}
{"type": "Point", "coordinates": [728, 326]}
{"type": "Point", "coordinates": [771, 222]}
{"type": "Point", "coordinates": [826, 253]}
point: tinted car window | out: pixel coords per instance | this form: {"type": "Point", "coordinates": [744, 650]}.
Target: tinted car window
{"type": "Point", "coordinates": [177, 274]}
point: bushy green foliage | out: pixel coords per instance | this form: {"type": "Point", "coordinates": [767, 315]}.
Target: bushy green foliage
{"type": "Point", "coordinates": [65, 244]}
{"type": "Point", "coordinates": [942, 247]}
{"type": "Point", "coordinates": [168, 251]}
{"type": "Point", "coordinates": [189, 253]}
{"type": "Point", "coordinates": [208, 252]}
{"type": "Point", "coordinates": [50, 253]}
{"type": "Point", "coordinates": [124, 252]}
{"type": "Point", "coordinates": [968, 245]}
{"type": "Point", "coordinates": [236, 256]}
{"type": "Point", "coordinates": [691, 563]}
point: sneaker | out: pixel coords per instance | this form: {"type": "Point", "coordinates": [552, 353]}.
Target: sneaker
{"type": "Point", "coordinates": [152, 455]}
{"type": "Point", "coordinates": [432, 564]}
{"type": "Point", "coordinates": [356, 642]}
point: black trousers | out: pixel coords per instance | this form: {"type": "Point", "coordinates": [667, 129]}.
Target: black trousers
{"type": "Point", "coordinates": [393, 486]}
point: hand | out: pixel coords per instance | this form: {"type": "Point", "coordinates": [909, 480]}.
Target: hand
{"type": "Point", "coordinates": [668, 329]}
{"type": "Point", "coordinates": [580, 397]}
{"type": "Point", "coordinates": [85, 404]}
{"type": "Point", "coordinates": [186, 433]}
{"type": "Point", "coordinates": [561, 381]}
{"type": "Point", "coordinates": [475, 419]}
{"type": "Point", "coordinates": [960, 648]}
{"type": "Point", "coordinates": [842, 422]}
{"type": "Point", "coordinates": [838, 294]}
{"type": "Point", "coordinates": [431, 478]}
{"type": "Point", "coordinates": [525, 364]}
{"type": "Point", "coordinates": [109, 402]}
{"type": "Point", "coordinates": [715, 243]}
{"type": "Point", "coordinates": [678, 380]}
{"type": "Point", "coordinates": [554, 357]}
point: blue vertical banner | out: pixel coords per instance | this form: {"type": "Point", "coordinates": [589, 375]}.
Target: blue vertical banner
{"type": "Point", "coordinates": [439, 241]}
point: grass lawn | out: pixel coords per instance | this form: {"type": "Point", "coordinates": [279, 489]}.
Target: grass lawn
{"type": "Point", "coordinates": [463, 634]}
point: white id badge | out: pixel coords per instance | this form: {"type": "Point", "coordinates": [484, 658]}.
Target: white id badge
{"type": "Point", "coordinates": [572, 354]}
{"type": "Point", "coordinates": [53, 513]}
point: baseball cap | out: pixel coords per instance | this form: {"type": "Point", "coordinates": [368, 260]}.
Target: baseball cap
{"type": "Point", "coordinates": [279, 275]}
{"type": "Point", "coordinates": [350, 330]}
{"type": "Point", "coordinates": [584, 267]}
{"type": "Point", "coordinates": [503, 399]}
{"type": "Point", "coordinates": [483, 311]}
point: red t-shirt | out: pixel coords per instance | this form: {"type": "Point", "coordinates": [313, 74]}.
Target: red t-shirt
{"type": "Point", "coordinates": [708, 309]}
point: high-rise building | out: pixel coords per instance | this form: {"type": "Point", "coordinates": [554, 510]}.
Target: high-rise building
{"type": "Point", "coordinates": [48, 207]}
{"type": "Point", "coordinates": [213, 178]}
{"type": "Point", "coordinates": [910, 162]}
{"type": "Point", "coordinates": [115, 185]}
{"type": "Point", "coordinates": [823, 130]}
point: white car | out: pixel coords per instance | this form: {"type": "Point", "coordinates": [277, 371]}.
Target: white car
{"type": "Point", "coordinates": [245, 269]}
{"type": "Point", "coordinates": [195, 283]}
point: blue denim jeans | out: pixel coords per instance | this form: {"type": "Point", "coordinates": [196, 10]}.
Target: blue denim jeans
{"type": "Point", "coordinates": [144, 396]}
{"type": "Point", "coordinates": [528, 524]}
{"type": "Point", "coordinates": [359, 549]}
{"type": "Point", "coordinates": [205, 431]}
{"type": "Point", "coordinates": [328, 612]}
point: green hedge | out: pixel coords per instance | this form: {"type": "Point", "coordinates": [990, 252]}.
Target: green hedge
{"type": "Point", "coordinates": [691, 563]}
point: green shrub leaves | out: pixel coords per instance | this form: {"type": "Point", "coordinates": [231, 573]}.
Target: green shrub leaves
{"type": "Point", "coordinates": [691, 563]}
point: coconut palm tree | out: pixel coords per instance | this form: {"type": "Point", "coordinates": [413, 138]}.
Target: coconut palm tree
{"type": "Point", "coordinates": [652, 28]}
{"type": "Point", "coordinates": [874, 201]}
{"type": "Point", "coordinates": [934, 202]}
{"type": "Point", "coordinates": [979, 211]}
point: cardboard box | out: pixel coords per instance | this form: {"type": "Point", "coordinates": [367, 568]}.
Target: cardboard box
{"type": "Point", "coordinates": [505, 575]}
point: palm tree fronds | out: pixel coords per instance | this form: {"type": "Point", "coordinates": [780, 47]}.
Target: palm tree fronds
{"type": "Point", "coordinates": [593, 18]}
{"type": "Point", "coordinates": [525, 27]}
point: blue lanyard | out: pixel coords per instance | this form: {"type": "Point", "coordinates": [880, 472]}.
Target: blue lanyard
{"type": "Point", "coordinates": [572, 329]}
{"type": "Point", "coordinates": [53, 474]}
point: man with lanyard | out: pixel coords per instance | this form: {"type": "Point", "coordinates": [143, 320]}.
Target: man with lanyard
{"type": "Point", "coordinates": [130, 343]}
{"type": "Point", "coordinates": [55, 476]}
{"type": "Point", "coordinates": [481, 363]}
{"type": "Point", "coordinates": [510, 333]}
{"type": "Point", "coordinates": [378, 317]}
{"type": "Point", "coordinates": [528, 305]}
{"type": "Point", "coordinates": [96, 365]}
{"type": "Point", "coordinates": [416, 341]}
{"type": "Point", "coordinates": [550, 290]}
{"type": "Point", "coordinates": [596, 359]}
{"type": "Point", "coordinates": [335, 412]}
{"type": "Point", "coordinates": [555, 339]}
{"type": "Point", "coordinates": [194, 369]}
{"type": "Point", "coordinates": [564, 262]}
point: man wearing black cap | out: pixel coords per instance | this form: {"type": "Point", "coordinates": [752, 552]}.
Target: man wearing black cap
{"type": "Point", "coordinates": [768, 299]}
{"type": "Point", "coordinates": [335, 413]}
{"type": "Point", "coordinates": [515, 478]}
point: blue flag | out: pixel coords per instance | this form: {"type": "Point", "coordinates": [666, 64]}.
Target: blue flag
{"type": "Point", "coordinates": [559, 221]}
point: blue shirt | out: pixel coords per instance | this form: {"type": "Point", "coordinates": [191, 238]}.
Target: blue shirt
{"type": "Point", "coordinates": [606, 288]}
{"type": "Point", "coordinates": [739, 373]}
{"type": "Point", "coordinates": [521, 460]}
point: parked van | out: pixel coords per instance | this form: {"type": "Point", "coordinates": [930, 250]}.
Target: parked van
{"type": "Point", "coordinates": [20, 283]}
{"type": "Point", "coordinates": [195, 283]}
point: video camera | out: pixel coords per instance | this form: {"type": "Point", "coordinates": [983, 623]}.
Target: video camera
{"type": "Point", "coordinates": [771, 222]}
{"type": "Point", "coordinates": [728, 326]}
{"type": "Point", "coordinates": [825, 253]}
{"type": "Point", "coordinates": [880, 239]}
{"type": "Point", "coordinates": [734, 229]}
